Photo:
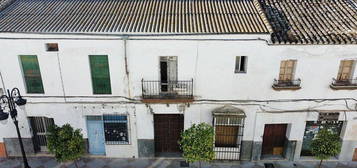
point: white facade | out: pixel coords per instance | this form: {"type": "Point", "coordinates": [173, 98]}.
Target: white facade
{"type": "Point", "coordinates": [208, 60]}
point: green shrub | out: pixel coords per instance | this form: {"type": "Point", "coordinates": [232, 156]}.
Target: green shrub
{"type": "Point", "coordinates": [65, 143]}
{"type": "Point", "coordinates": [197, 143]}
{"type": "Point", "coordinates": [325, 145]}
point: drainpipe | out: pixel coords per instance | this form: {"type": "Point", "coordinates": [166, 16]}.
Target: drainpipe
{"type": "Point", "coordinates": [2, 81]}
{"type": "Point", "coordinates": [61, 77]}
{"type": "Point", "coordinates": [125, 38]}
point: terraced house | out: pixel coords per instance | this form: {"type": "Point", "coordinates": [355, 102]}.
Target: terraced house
{"type": "Point", "coordinates": [132, 74]}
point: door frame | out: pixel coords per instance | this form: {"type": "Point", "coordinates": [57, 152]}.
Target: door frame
{"type": "Point", "coordinates": [102, 126]}
{"type": "Point", "coordinates": [179, 117]}
{"type": "Point", "coordinates": [282, 145]}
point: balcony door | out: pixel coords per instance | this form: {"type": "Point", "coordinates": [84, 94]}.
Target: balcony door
{"type": "Point", "coordinates": [168, 72]}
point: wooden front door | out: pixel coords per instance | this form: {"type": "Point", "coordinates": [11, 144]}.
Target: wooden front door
{"type": "Point", "coordinates": [274, 139]}
{"type": "Point", "coordinates": [167, 131]}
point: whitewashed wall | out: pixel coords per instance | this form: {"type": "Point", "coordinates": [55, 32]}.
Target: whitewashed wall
{"type": "Point", "coordinates": [209, 62]}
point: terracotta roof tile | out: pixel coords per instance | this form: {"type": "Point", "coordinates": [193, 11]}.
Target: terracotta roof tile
{"type": "Point", "coordinates": [134, 16]}
{"type": "Point", "coordinates": [312, 21]}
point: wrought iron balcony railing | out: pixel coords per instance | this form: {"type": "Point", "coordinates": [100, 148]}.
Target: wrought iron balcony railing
{"type": "Point", "coordinates": [287, 83]}
{"type": "Point", "coordinates": [181, 89]}
{"type": "Point", "coordinates": [344, 82]}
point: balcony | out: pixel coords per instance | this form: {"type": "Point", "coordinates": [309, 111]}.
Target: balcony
{"type": "Point", "coordinates": [167, 92]}
{"type": "Point", "coordinates": [286, 84]}
{"type": "Point", "coordinates": [348, 84]}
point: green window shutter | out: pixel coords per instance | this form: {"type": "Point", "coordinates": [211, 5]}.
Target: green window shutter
{"type": "Point", "coordinates": [100, 74]}
{"type": "Point", "coordinates": [32, 74]}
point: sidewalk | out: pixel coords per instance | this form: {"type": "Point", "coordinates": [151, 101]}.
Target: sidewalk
{"type": "Point", "coordinates": [89, 162]}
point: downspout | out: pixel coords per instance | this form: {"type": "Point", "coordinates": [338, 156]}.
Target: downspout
{"type": "Point", "coordinates": [125, 38]}
{"type": "Point", "coordinates": [3, 83]}
{"type": "Point", "coordinates": [61, 77]}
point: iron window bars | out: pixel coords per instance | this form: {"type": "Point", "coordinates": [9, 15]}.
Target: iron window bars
{"type": "Point", "coordinates": [228, 137]}
{"type": "Point", "coordinates": [116, 129]}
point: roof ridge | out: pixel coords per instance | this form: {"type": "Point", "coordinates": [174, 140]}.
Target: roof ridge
{"type": "Point", "coordinates": [263, 15]}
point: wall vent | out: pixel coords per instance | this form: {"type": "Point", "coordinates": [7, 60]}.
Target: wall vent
{"type": "Point", "coordinates": [51, 47]}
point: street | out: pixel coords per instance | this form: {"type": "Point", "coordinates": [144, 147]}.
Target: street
{"type": "Point", "coordinates": [90, 162]}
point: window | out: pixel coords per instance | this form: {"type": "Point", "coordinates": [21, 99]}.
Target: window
{"type": "Point", "coordinates": [100, 74]}
{"type": "Point", "coordinates": [241, 64]}
{"type": "Point", "coordinates": [40, 126]}
{"type": "Point", "coordinates": [51, 46]}
{"type": "Point", "coordinates": [287, 70]}
{"type": "Point", "coordinates": [345, 71]}
{"type": "Point", "coordinates": [116, 129]}
{"type": "Point", "coordinates": [311, 130]}
{"type": "Point", "coordinates": [32, 74]}
{"type": "Point", "coordinates": [228, 131]}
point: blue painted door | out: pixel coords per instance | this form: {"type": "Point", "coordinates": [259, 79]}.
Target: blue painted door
{"type": "Point", "coordinates": [96, 136]}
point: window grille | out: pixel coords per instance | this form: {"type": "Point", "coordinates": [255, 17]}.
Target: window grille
{"type": "Point", "coordinates": [40, 126]}
{"type": "Point", "coordinates": [116, 129]}
{"type": "Point", "coordinates": [228, 137]}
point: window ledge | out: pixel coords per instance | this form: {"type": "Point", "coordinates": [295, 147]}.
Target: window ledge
{"type": "Point", "coordinates": [346, 87]}
{"type": "Point", "coordinates": [278, 88]}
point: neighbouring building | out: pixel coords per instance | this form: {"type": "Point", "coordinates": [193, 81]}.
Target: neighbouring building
{"type": "Point", "coordinates": [133, 74]}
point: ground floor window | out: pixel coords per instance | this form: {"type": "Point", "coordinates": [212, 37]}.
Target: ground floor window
{"type": "Point", "coordinates": [116, 129]}
{"type": "Point", "coordinates": [228, 136]}
{"type": "Point", "coordinates": [312, 128]}
{"type": "Point", "coordinates": [39, 128]}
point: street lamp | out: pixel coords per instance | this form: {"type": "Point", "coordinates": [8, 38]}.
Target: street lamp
{"type": "Point", "coordinates": [10, 101]}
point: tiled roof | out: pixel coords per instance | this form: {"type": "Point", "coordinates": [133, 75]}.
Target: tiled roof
{"type": "Point", "coordinates": [134, 16]}
{"type": "Point", "coordinates": [312, 21]}
{"type": "Point", "coordinates": [4, 3]}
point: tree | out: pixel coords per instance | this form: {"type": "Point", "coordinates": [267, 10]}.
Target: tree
{"type": "Point", "coordinates": [325, 145]}
{"type": "Point", "coordinates": [65, 143]}
{"type": "Point", "coordinates": [197, 143]}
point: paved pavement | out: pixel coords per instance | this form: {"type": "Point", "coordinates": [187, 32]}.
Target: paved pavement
{"type": "Point", "coordinates": [89, 162]}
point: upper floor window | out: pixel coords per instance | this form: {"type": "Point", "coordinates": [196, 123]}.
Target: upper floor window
{"type": "Point", "coordinates": [345, 71]}
{"type": "Point", "coordinates": [287, 76]}
{"type": "Point", "coordinates": [116, 129]}
{"type": "Point", "coordinates": [31, 73]}
{"type": "Point", "coordinates": [241, 64]}
{"type": "Point", "coordinates": [287, 70]}
{"type": "Point", "coordinates": [100, 74]}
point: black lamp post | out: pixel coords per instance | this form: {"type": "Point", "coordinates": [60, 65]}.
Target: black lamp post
{"type": "Point", "coordinates": [10, 101]}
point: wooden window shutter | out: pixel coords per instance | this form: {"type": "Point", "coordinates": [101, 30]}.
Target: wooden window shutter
{"type": "Point", "coordinates": [100, 74]}
{"type": "Point", "coordinates": [345, 70]}
{"type": "Point", "coordinates": [287, 68]}
{"type": "Point", "coordinates": [32, 74]}
{"type": "Point", "coordinates": [226, 136]}
{"type": "Point", "coordinates": [172, 68]}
